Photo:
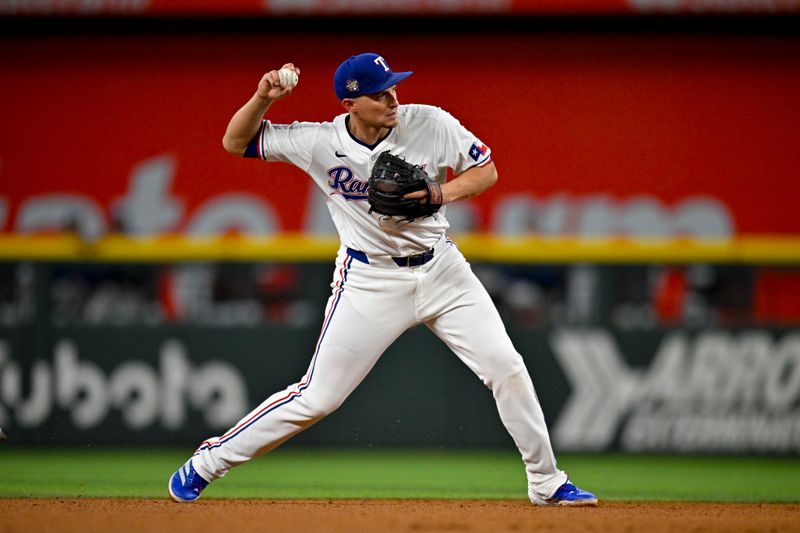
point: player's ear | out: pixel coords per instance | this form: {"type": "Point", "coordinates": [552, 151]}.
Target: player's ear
{"type": "Point", "coordinates": [349, 104]}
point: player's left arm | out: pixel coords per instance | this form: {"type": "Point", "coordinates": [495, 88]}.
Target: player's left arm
{"type": "Point", "coordinates": [469, 183]}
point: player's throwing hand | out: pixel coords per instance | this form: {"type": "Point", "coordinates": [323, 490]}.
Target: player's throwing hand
{"type": "Point", "coordinates": [277, 84]}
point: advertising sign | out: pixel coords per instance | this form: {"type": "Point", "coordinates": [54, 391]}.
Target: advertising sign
{"type": "Point", "coordinates": [372, 7]}
{"type": "Point", "coordinates": [651, 136]}
{"type": "Point", "coordinates": [670, 391]}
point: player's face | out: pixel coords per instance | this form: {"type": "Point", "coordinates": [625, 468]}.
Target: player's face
{"type": "Point", "coordinates": [378, 109]}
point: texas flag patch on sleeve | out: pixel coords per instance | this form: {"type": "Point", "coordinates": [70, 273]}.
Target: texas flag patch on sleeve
{"type": "Point", "coordinates": [477, 151]}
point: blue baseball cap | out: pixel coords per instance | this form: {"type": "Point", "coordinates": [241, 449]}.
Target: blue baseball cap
{"type": "Point", "coordinates": [365, 74]}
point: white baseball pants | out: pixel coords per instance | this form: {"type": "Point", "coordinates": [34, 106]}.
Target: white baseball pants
{"type": "Point", "coordinates": [370, 306]}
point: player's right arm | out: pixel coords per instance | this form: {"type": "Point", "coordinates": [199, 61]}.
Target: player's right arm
{"type": "Point", "coordinates": [245, 123]}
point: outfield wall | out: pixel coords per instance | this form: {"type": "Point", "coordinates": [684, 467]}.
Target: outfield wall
{"type": "Point", "coordinates": [640, 358]}
{"type": "Point", "coordinates": [642, 243]}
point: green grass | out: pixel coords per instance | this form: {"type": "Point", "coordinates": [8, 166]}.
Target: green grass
{"type": "Point", "coordinates": [291, 473]}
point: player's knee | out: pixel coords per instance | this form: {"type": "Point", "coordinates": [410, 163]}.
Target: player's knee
{"type": "Point", "coordinates": [320, 407]}
{"type": "Point", "coordinates": [505, 369]}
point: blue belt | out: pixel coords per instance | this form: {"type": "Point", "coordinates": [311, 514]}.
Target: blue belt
{"type": "Point", "coordinates": [407, 261]}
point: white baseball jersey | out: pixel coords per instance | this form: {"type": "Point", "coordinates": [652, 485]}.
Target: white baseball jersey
{"type": "Point", "coordinates": [375, 298]}
{"type": "Point", "coordinates": [340, 165]}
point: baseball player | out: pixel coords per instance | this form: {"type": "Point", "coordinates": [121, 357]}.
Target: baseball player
{"type": "Point", "coordinates": [391, 273]}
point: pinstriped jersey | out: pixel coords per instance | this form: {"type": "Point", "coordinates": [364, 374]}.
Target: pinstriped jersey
{"type": "Point", "coordinates": [340, 165]}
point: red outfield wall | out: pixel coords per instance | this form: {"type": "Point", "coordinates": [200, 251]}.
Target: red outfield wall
{"type": "Point", "coordinates": [664, 119]}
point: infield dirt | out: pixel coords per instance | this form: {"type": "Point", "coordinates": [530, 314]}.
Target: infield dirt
{"type": "Point", "coordinates": [89, 515]}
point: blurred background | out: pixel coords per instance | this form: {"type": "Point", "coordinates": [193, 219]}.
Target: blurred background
{"type": "Point", "coordinates": [642, 244]}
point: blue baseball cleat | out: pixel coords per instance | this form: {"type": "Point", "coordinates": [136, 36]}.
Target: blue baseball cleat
{"type": "Point", "coordinates": [568, 495]}
{"type": "Point", "coordinates": [185, 485]}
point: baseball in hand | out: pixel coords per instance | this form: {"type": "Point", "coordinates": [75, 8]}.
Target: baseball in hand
{"type": "Point", "coordinates": [287, 77]}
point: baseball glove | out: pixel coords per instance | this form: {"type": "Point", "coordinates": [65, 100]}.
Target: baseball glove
{"type": "Point", "coordinates": [391, 179]}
